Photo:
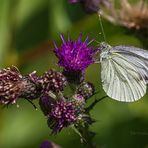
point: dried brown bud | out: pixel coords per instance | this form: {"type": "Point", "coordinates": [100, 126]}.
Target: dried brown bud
{"type": "Point", "coordinates": [131, 15]}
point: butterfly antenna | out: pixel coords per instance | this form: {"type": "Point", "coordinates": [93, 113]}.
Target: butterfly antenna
{"type": "Point", "coordinates": [97, 42]}
{"type": "Point", "coordinates": [101, 26]}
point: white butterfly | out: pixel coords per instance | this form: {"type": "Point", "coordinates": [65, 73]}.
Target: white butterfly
{"type": "Point", "coordinates": [124, 72]}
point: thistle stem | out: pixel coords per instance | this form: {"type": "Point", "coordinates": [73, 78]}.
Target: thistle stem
{"type": "Point", "coordinates": [88, 109]}
{"type": "Point", "coordinates": [87, 137]}
{"type": "Point", "coordinates": [31, 103]}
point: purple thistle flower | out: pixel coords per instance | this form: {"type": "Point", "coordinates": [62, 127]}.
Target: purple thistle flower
{"type": "Point", "coordinates": [79, 102]}
{"type": "Point", "coordinates": [53, 81]}
{"type": "Point", "coordinates": [62, 114]}
{"type": "Point", "coordinates": [90, 6]}
{"type": "Point", "coordinates": [48, 144]}
{"type": "Point", "coordinates": [74, 1]}
{"type": "Point", "coordinates": [79, 98]}
{"type": "Point", "coordinates": [45, 103]}
{"type": "Point", "coordinates": [75, 55]}
{"type": "Point", "coordinates": [85, 89]}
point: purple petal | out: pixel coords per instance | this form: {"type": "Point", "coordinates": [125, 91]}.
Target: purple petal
{"type": "Point", "coordinates": [55, 45]}
{"type": "Point", "coordinates": [46, 144]}
{"type": "Point", "coordinates": [75, 55]}
{"type": "Point", "coordinates": [73, 1]}
{"type": "Point", "coordinates": [62, 37]}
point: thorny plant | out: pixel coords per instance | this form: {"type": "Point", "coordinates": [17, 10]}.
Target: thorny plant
{"type": "Point", "coordinates": [69, 110]}
{"type": "Point", "coordinates": [60, 110]}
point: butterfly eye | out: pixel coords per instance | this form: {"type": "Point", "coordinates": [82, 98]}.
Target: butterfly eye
{"type": "Point", "coordinates": [103, 45]}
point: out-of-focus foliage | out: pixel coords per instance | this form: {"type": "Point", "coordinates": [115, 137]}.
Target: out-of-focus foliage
{"type": "Point", "coordinates": [26, 30]}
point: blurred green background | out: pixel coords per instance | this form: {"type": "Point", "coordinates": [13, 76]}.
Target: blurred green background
{"type": "Point", "coordinates": [27, 28]}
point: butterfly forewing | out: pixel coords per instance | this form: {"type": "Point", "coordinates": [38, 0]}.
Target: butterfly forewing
{"type": "Point", "coordinates": [138, 57]}
{"type": "Point", "coordinates": [131, 50]}
{"type": "Point", "coordinates": [124, 73]}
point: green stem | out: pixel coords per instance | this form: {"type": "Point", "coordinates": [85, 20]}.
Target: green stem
{"type": "Point", "coordinates": [87, 137]}
{"type": "Point", "coordinates": [88, 109]}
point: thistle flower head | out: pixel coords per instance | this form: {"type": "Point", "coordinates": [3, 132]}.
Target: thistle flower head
{"type": "Point", "coordinates": [45, 103]}
{"type": "Point", "coordinates": [13, 85]}
{"type": "Point", "coordinates": [10, 86]}
{"type": "Point", "coordinates": [85, 89]}
{"type": "Point", "coordinates": [78, 98]}
{"type": "Point", "coordinates": [79, 101]}
{"type": "Point", "coordinates": [74, 1]}
{"type": "Point", "coordinates": [128, 14]}
{"type": "Point", "coordinates": [53, 81]}
{"type": "Point", "coordinates": [75, 55]}
{"type": "Point", "coordinates": [62, 114]}
{"type": "Point", "coordinates": [32, 87]}
{"type": "Point", "coordinates": [90, 5]}
{"type": "Point", "coordinates": [48, 144]}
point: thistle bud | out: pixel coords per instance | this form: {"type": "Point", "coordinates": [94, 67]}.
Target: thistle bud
{"type": "Point", "coordinates": [62, 114]}
{"type": "Point", "coordinates": [13, 86]}
{"type": "Point", "coordinates": [45, 103]}
{"type": "Point", "coordinates": [32, 86]}
{"type": "Point", "coordinates": [10, 85]}
{"type": "Point", "coordinates": [53, 81]}
{"type": "Point", "coordinates": [49, 144]}
{"type": "Point", "coordinates": [85, 89]}
{"type": "Point", "coordinates": [91, 6]}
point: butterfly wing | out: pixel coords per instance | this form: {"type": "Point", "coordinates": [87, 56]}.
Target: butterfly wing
{"type": "Point", "coordinates": [124, 74]}
{"type": "Point", "coordinates": [131, 50]}
{"type": "Point", "coordinates": [138, 57]}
